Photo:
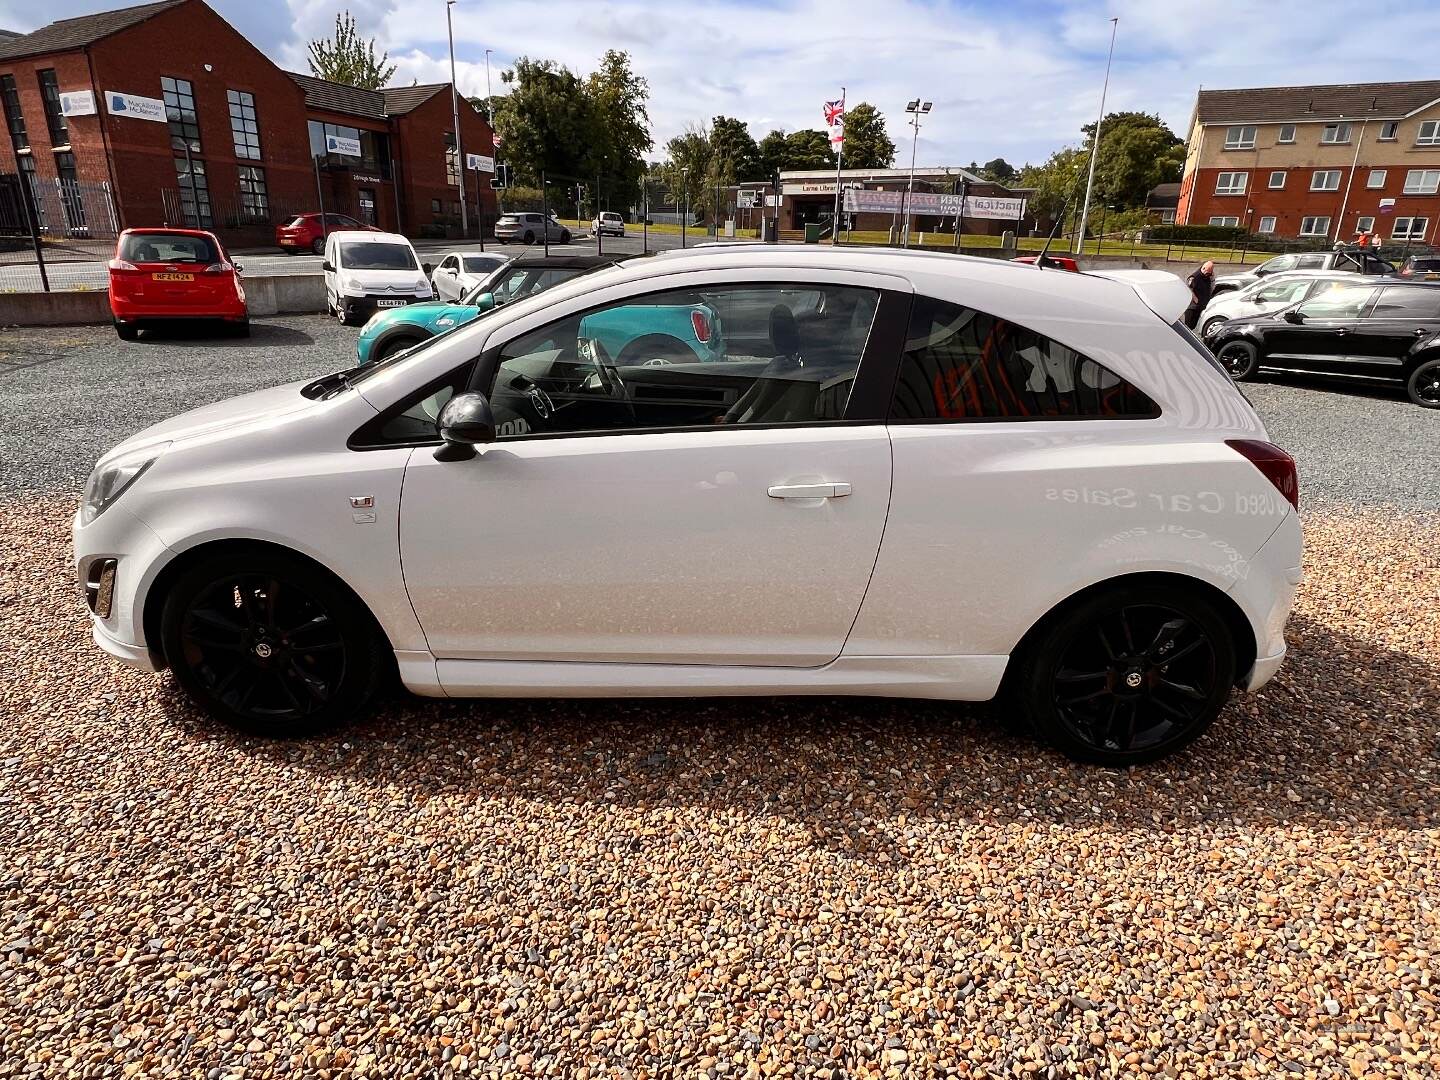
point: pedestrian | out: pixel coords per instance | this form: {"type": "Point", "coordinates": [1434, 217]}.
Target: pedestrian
{"type": "Point", "coordinates": [1202, 284]}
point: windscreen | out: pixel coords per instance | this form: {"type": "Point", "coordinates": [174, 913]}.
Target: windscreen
{"type": "Point", "coordinates": [370, 255]}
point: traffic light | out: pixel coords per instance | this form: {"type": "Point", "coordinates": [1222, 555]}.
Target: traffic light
{"type": "Point", "coordinates": [501, 179]}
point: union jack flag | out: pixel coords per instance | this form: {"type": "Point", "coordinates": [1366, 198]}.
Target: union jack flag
{"type": "Point", "coordinates": [834, 112]}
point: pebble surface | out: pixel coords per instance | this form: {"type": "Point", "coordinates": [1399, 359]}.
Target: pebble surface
{"type": "Point", "coordinates": [809, 888]}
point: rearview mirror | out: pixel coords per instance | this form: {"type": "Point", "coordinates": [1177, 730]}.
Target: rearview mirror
{"type": "Point", "coordinates": [464, 423]}
{"type": "Point", "coordinates": [1294, 317]}
{"type": "Point", "coordinates": [328, 266]}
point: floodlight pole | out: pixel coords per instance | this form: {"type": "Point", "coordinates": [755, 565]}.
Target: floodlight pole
{"type": "Point", "coordinates": [916, 109]}
{"type": "Point", "coordinates": [1095, 142]}
{"type": "Point", "coordinates": [455, 113]}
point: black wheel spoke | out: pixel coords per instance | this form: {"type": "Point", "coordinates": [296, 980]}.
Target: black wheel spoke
{"type": "Point", "coordinates": [208, 643]}
{"type": "Point", "coordinates": [1079, 698]}
{"type": "Point", "coordinates": [1191, 692]}
{"type": "Point", "coordinates": [1067, 675]}
{"type": "Point", "coordinates": [1173, 710]}
{"type": "Point", "coordinates": [1165, 637]}
{"type": "Point", "coordinates": [217, 619]}
{"type": "Point", "coordinates": [1125, 625]}
{"type": "Point", "coordinates": [272, 590]}
{"type": "Point", "coordinates": [1184, 650]}
{"type": "Point", "coordinates": [1110, 653]}
{"type": "Point", "coordinates": [316, 688]}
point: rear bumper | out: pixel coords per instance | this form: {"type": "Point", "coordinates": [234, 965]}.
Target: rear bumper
{"type": "Point", "coordinates": [1266, 594]}
{"type": "Point", "coordinates": [129, 312]}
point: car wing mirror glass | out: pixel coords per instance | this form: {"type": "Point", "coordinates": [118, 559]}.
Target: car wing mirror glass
{"type": "Point", "coordinates": [327, 266]}
{"type": "Point", "coordinates": [485, 301]}
{"type": "Point", "coordinates": [465, 422]}
{"type": "Point", "coordinates": [1294, 317]}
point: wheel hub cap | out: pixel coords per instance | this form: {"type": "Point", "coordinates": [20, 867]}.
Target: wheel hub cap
{"type": "Point", "coordinates": [263, 651]}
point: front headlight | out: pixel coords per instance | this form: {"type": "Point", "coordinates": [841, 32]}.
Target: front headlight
{"type": "Point", "coordinates": [110, 479]}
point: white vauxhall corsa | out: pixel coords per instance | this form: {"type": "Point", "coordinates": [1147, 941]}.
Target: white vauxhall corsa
{"type": "Point", "coordinates": [907, 474]}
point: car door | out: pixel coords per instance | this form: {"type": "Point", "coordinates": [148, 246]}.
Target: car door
{"type": "Point", "coordinates": [740, 529]}
{"type": "Point", "coordinates": [1381, 341]}
{"type": "Point", "coordinates": [1314, 335]}
{"type": "Point", "coordinates": [444, 278]}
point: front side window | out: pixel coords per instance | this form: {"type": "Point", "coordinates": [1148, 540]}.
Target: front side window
{"type": "Point", "coordinates": [244, 126]}
{"type": "Point", "coordinates": [1325, 180]}
{"type": "Point", "coordinates": [1276, 265]}
{"type": "Point", "coordinates": [1277, 179]}
{"type": "Point", "coordinates": [54, 117]}
{"type": "Point", "coordinates": [1230, 183]}
{"type": "Point", "coordinates": [1335, 133]}
{"type": "Point", "coordinates": [1342, 303]}
{"type": "Point", "coordinates": [1429, 133]}
{"type": "Point", "coordinates": [1281, 292]}
{"type": "Point", "coordinates": [180, 114]}
{"type": "Point", "coordinates": [14, 118]}
{"type": "Point", "coordinates": [194, 192]}
{"type": "Point", "coordinates": [254, 196]}
{"type": "Point", "coordinates": [1376, 179]}
{"type": "Point", "coordinates": [1422, 181]}
{"type": "Point", "coordinates": [1410, 228]}
{"type": "Point", "coordinates": [1287, 133]}
{"type": "Point", "coordinates": [373, 255]}
{"type": "Point", "coordinates": [1240, 137]}
{"type": "Point", "coordinates": [1408, 303]}
{"type": "Point", "coordinates": [1267, 224]}
{"type": "Point", "coordinates": [519, 282]}
{"type": "Point", "coordinates": [962, 364]}
{"type": "Point", "coordinates": [1315, 226]}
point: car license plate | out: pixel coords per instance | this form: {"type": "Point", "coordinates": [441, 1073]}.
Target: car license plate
{"type": "Point", "coordinates": [390, 303]}
{"type": "Point", "coordinates": [172, 277]}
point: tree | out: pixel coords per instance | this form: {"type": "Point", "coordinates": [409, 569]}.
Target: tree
{"type": "Point", "coordinates": [867, 144]}
{"type": "Point", "coordinates": [1059, 183]}
{"type": "Point", "coordinates": [349, 60]}
{"type": "Point", "coordinates": [999, 170]}
{"type": "Point", "coordinates": [731, 141]}
{"type": "Point", "coordinates": [547, 121]}
{"type": "Point", "coordinates": [620, 122]}
{"type": "Point", "coordinates": [1137, 151]}
{"type": "Point", "coordinates": [772, 154]}
{"type": "Point", "coordinates": [808, 149]}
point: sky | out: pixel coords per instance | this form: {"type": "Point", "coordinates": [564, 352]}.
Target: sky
{"type": "Point", "coordinates": [1009, 78]}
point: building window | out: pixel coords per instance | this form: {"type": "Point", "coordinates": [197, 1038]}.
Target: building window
{"type": "Point", "coordinates": [1267, 224]}
{"type": "Point", "coordinates": [1240, 137]}
{"type": "Point", "coordinates": [374, 148]}
{"type": "Point", "coordinates": [1287, 133]}
{"type": "Point", "coordinates": [1315, 226]}
{"type": "Point", "coordinates": [244, 129]}
{"type": "Point", "coordinates": [435, 206]}
{"type": "Point", "coordinates": [194, 192]}
{"type": "Point", "coordinates": [54, 118]}
{"type": "Point", "coordinates": [1277, 179]}
{"type": "Point", "coordinates": [1364, 224]}
{"type": "Point", "coordinates": [1376, 178]}
{"type": "Point", "coordinates": [1167, 217]}
{"type": "Point", "coordinates": [27, 173]}
{"type": "Point", "coordinates": [1334, 134]}
{"type": "Point", "coordinates": [1229, 220]}
{"type": "Point", "coordinates": [254, 197]}
{"type": "Point", "coordinates": [1409, 228]}
{"type": "Point", "coordinates": [1389, 130]}
{"type": "Point", "coordinates": [14, 118]}
{"type": "Point", "coordinates": [71, 199]}
{"type": "Point", "coordinates": [180, 112]}
{"type": "Point", "coordinates": [1422, 181]}
{"type": "Point", "coordinates": [1325, 180]}
{"type": "Point", "coordinates": [1230, 183]}
{"type": "Point", "coordinates": [452, 162]}
{"type": "Point", "coordinates": [1429, 134]}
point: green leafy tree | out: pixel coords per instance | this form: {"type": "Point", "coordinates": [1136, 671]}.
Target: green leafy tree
{"type": "Point", "coordinates": [772, 154]}
{"type": "Point", "coordinates": [867, 144]}
{"type": "Point", "coordinates": [808, 149]}
{"type": "Point", "coordinates": [620, 120]}
{"type": "Point", "coordinates": [731, 141]}
{"type": "Point", "coordinates": [347, 58]}
{"type": "Point", "coordinates": [546, 120]}
{"type": "Point", "coordinates": [999, 170]}
{"type": "Point", "coordinates": [1058, 183]}
{"type": "Point", "coordinates": [693, 170]}
{"type": "Point", "coordinates": [1137, 151]}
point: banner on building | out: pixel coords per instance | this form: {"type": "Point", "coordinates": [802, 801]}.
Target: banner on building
{"type": "Point", "coordinates": [817, 187]}
{"type": "Point", "coordinates": [933, 205]}
{"type": "Point", "coordinates": [77, 103]}
{"type": "Point", "coordinates": [480, 162]}
{"type": "Point", "coordinates": [339, 144]}
{"type": "Point", "coordinates": [139, 108]}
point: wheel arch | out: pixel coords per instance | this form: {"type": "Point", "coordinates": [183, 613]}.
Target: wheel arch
{"type": "Point", "coordinates": [652, 340]}
{"type": "Point", "coordinates": [410, 331]}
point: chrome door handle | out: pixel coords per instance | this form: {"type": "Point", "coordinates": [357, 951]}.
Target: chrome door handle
{"type": "Point", "coordinates": [809, 491]}
{"type": "Point", "coordinates": [1342, 331]}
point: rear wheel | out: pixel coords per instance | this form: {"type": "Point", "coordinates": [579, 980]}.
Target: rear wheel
{"type": "Point", "coordinates": [1240, 359]}
{"type": "Point", "coordinates": [317, 246]}
{"type": "Point", "coordinates": [565, 237]}
{"type": "Point", "coordinates": [126, 331]}
{"type": "Point", "coordinates": [1128, 675]}
{"type": "Point", "coordinates": [263, 642]}
{"type": "Point", "coordinates": [1423, 386]}
{"type": "Point", "coordinates": [529, 238]}
{"type": "Point", "coordinates": [241, 328]}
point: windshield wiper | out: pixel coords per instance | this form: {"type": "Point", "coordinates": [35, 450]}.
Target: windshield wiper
{"type": "Point", "coordinates": [328, 385]}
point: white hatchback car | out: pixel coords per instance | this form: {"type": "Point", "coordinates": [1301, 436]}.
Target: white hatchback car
{"type": "Point", "coordinates": [1269, 294]}
{"type": "Point", "coordinates": [911, 474]}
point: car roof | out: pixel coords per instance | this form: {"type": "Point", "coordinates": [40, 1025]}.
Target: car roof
{"type": "Point", "coordinates": [567, 262]}
{"type": "Point", "coordinates": [160, 230]}
{"type": "Point", "coordinates": [371, 237]}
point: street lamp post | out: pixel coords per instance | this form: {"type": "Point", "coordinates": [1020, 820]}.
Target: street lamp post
{"type": "Point", "coordinates": [455, 114]}
{"type": "Point", "coordinates": [1095, 142]}
{"type": "Point", "coordinates": [916, 109]}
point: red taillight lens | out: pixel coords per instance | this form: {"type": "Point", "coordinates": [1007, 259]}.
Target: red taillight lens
{"type": "Point", "coordinates": [221, 267]}
{"type": "Point", "coordinates": [121, 264]}
{"type": "Point", "coordinates": [701, 325]}
{"type": "Point", "coordinates": [1276, 464]}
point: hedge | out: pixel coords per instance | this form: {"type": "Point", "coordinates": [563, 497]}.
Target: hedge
{"type": "Point", "coordinates": [1223, 234]}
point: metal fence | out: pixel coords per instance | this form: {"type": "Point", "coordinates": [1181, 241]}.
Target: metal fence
{"type": "Point", "coordinates": [53, 232]}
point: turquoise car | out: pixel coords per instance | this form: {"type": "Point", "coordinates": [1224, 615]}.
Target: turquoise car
{"type": "Point", "coordinates": [680, 333]}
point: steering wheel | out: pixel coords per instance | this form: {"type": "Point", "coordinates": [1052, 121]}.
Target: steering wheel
{"type": "Point", "coordinates": [605, 371]}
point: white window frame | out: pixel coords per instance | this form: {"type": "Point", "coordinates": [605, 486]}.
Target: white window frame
{"type": "Point", "coordinates": [1222, 188]}
{"type": "Point", "coordinates": [1365, 224]}
{"type": "Point", "coordinates": [1281, 138]}
{"type": "Point", "coordinates": [1410, 233]}
{"type": "Point", "coordinates": [1167, 217]}
{"type": "Point", "coordinates": [1339, 128]}
{"type": "Point", "coordinates": [1422, 182]}
{"type": "Point", "coordinates": [1225, 220]}
{"type": "Point", "coordinates": [1428, 133]}
{"type": "Point", "coordinates": [1391, 126]}
{"type": "Point", "coordinates": [1376, 179]}
{"type": "Point", "coordinates": [1240, 137]}
{"type": "Point", "coordinates": [1266, 229]}
{"type": "Point", "coordinates": [1273, 174]}
{"type": "Point", "coordinates": [1319, 226]}
{"type": "Point", "coordinates": [1315, 178]}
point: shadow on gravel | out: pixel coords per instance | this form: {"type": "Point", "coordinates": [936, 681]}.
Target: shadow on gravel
{"type": "Point", "coordinates": [211, 335]}
{"type": "Point", "coordinates": [1346, 733]}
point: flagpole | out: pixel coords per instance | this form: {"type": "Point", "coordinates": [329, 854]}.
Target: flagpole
{"type": "Point", "coordinates": [839, 159]}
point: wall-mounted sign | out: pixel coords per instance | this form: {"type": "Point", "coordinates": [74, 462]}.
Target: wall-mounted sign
{"type": "Point", "coordinates": [893, 202]}
{"type": "Point", "coordinates": [77, 103]}
{"type": "Point", "coordinates": [1387, 206]}
{"type": "Point", "coordinates": [480, 162]}
{"type": "Point", "coordinates": [138, 108]}
{"type": "Point", "coordinates": [359, 179]}
{"type": "Point", "coordinates": [814, 187]}
{"type": "Point", "coordinates": [338, 144]}
{"type": "Point", "coordinates": [747, 200]}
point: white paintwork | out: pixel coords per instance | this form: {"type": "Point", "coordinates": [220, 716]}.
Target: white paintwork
{"type": "Point", "coordinates": [665, 564]}
{"type": "Point", "coordinates": [452, 281]}
{"type": "Point", "coordinates": [341, 280]}
{"type": "Point", "coordinates": [1243, 301]}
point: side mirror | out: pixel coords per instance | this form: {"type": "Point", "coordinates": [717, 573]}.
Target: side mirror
{"type": "Point", "coordinates": [1293, 317]}
{"type": "Point", "coordinates": [239, 268]}
{"type": "Point", "coordinates": [485, 301]}
{"type": "Point", "coordinates": [427, 268]}
{"type": "Point", "coordinates": [328, 266]}
{"type": "Point", "coordinates": [464, 423]}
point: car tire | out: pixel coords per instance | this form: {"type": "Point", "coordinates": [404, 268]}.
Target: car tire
{"type": "Point", "coordinates": [655, 347]}
{"type": "Point", "coordinates": [1240, 359]}
{"type": "Point", "coordinates": [565, 237]}
{"type": "Point", "coordinates": [529, 238]}
{"type": "Point", "coordinates": [317, 246]}
{"type": "Point", "coordinates": [127, 331]}
{"type": "Point", "coordinates": [240, 329]}
{"type": "Point", "coordinates": [397, 344]}
{"type": "Point", "coordinates": [294, 652]}
{"type": "Point", "coordinates": [1095, 684]}
{"type": "Point", "coordinates": [1423, 386]}
{"type": "Point", "coordinates": [1209, 324]}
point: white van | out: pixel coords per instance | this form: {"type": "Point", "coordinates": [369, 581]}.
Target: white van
{"type": "Point", "coordinates": [365, 271]}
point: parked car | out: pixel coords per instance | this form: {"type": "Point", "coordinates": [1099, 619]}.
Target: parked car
{"type": "Point", "coordinates": [1388, 330]}
{"type": "Point", "coordinates": [396, 329]}
{"type": "Point", "coordinates": [169, 274]}
{"type": "Point", "coordinates": [1055, 262]}
{"type": "Point", "coordinates": [1421, 267]}
{"type": "Point", "coordinates": [608, 224]}
{"type": "Point", "coordinates": [927, 486]}
{"type": "Point", "coordinates": [530, 228]}
{"type": "Point", "coordinates": [304, 232]}
{"type": "Point", "coordinates": [1269, 294]}
{"type": "Point", "coordinates": [460, 271]}
{"type": "Point", "coordinates": [366, 272]}
{"type": "Point", "coordinates": [1345, 261]}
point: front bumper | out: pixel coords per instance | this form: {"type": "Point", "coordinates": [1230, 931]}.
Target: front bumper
{"type": "Point", "coordinates": [139, 555]}
{"type": "Point", "coordinates": [357, 307]}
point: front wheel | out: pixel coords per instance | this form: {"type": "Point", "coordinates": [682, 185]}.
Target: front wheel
{"type": "Point", "coordinates": [564, 238]}
{"type": "Point", "coordinates": [1423, 386]}
{"type": "Point", "coordinates": [1129, 675]}
{"type": "Point", "coordinates": [1240, 359]}
{"type": "Point", "coordinates": [1210, 324]}
{"type": "Point", "coordinates": [262, 641]}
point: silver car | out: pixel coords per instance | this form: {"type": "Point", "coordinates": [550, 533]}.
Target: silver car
{"type": "Point", "coordinates": [1269, 294]}
{"type": "Point", "coordinates": [530, 228]}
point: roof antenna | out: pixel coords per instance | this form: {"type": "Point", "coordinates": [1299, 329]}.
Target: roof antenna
{"type": "Point", "coordinates": [1040, 260]}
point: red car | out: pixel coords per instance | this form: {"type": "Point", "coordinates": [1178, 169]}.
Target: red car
{"type": "Point", "coordinates": [167, 274]}
{"type": "Point", "coordinates": [303, 232]}
{"type": "Point", "coordinates": [1059, 262]}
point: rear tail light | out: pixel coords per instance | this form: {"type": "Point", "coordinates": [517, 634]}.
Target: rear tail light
{"type": "Point", "coordinates": [221, 267]}
{"type": "Point", "coordinates": [121, 264]}
{"type": "Point", "coordinates": [701, 325]}
{"type": "Point", "coordinates": [1276, 464]}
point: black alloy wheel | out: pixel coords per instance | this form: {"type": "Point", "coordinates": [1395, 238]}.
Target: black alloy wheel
{"type": "Point", "coordinates": [1130, 676]}
{"type": "Point", "coordinates": [1423, 386]}
{"type": "Point", "coordinates": [317, 246]}
{"type": "Point", "coordinates": [1240, 359]}
{"type": "Point", "coordinates": [267, 644]}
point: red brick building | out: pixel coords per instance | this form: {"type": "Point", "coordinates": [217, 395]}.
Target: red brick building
{"type": "Point", "coordinates": [165, 114]}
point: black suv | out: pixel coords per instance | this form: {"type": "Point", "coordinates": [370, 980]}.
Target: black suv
{"type": "Point", "coordinates": [1387, 330]}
